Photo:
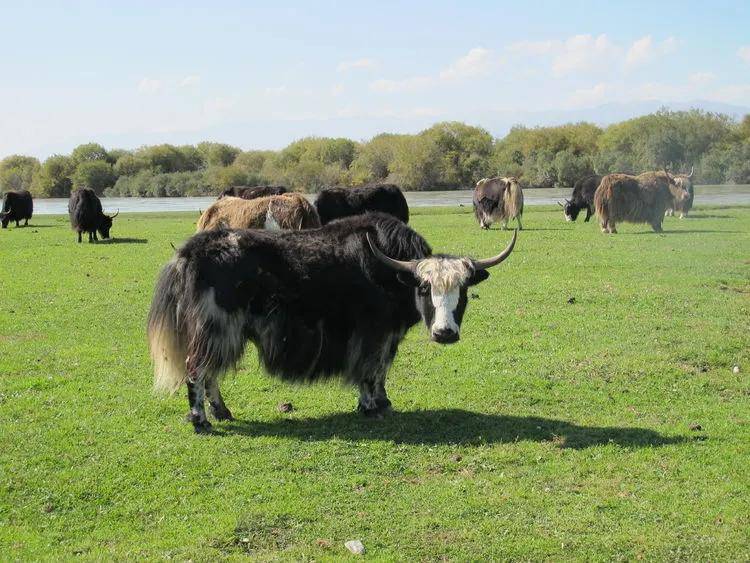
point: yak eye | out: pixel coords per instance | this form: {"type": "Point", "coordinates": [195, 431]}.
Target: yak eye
{"type": "Point", "coordinates": [424, 289]}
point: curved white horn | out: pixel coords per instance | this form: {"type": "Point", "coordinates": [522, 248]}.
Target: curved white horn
{"type": "Point", "coordinates": [400, 265]}
{"type": "Point", "coordinates": [494, 261]}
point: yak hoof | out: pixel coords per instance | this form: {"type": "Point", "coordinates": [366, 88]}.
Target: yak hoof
{"type": "Point", "coordinates": [203, 427]}
{"type": "Point", "coordinates": [221, 413]}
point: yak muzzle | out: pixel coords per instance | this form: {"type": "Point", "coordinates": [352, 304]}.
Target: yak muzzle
{"type": "Point", "coordinates": [444, 336]}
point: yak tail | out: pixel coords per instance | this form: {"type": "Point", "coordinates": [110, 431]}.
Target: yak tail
{"type": "Point", "coordinates": [513, 200]}
{"type": "Point", "coordinates": [168, 349]}
{"type": "Point", "coordinates": [601, 200]}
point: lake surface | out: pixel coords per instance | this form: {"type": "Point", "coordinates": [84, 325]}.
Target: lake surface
{"type": "Point", "coordinates": [704, 195]}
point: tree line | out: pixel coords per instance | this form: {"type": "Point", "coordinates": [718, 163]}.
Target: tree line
{"type": "Point", "coordinates": [449, 155]}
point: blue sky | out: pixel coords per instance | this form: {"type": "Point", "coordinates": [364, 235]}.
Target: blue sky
{"type": "Point", "coordinates": [260, 75]}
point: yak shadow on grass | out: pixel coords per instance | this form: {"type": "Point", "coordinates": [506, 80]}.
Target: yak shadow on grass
{"type": "Point", "coordinates": [123, 241]}
{"type": "Point", "coordinates": [669, 232]}
{"type": "Point", "coordinates": [708, 216]}
{"type": "Point", "coordinates": [450, 426]}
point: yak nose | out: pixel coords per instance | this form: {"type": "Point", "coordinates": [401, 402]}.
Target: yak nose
{"type": "Point", "coordinates": [444, 336]}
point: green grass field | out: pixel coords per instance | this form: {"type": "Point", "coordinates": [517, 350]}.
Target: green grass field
{"type": "Point", "coordinates": [552, 430]}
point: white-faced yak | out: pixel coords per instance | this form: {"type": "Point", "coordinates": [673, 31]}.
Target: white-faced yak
{"type": "Point", "coordinates": [288, 211]}
{"type": "Point", "coordinates": [87, 216]}
{"type": "Point", "coordinates": [582, 198]}
{"type": "Point", "coordinates": [17, 206]}
{"type": "Point", "coordinates": [253, 192]}
{"type": "Point", "coordinates": [636, 199]}
{"type": "Point", "coordinates": [333, 301]}
{"type": "Point", "coordinates": [683, 207]}
{"type": "Point", "coordinates": [498, 199]}
{"type": "Point", "coordinates": [334, 203]}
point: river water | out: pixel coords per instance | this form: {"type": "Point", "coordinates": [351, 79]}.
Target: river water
{"type": "Point", "coordinates": [704, 195]}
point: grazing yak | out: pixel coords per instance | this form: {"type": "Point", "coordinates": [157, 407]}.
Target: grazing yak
{"type": "Point", "coordinates": [636, 199]}
{"type": "Point", "coordinates": [86, 215]}
{"type": "Point", "coordinates": [288, 211]}
{"type": "Point", "coordinates": [683, 207]}
{"type": "Point", "coordinates": [17, 206]}
{"type": "Point", "coordinates": [582, 198]}
{"type": "Point", "coordinates": [334, 203]}
{"type": "Point", "coordinates": [253, 192]}
{"type": "Point", "coordinates": [498, 199]}
{"type": "Point", "coordinates": [332, 301]}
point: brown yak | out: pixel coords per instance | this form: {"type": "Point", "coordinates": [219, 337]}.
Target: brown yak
{"type": "Point", "coordinates": [498, 199]}
{"type": "Point", "coordinates": [636, 199]}
{"type": "Point", "coordinates": [289, 211]}
{"type": "Point", "coordinates": [684, 180]}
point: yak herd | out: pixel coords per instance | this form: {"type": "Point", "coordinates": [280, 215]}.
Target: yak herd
{"type": "Point", "coordinates": [329, 289]}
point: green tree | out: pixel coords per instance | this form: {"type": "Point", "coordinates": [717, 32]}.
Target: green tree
{"type": "Point", "coordinates": [54, 177]}
{"type": "Point", "coordinates": [89, 152]}
{"type": "Point", "coordinates": [94, 174]}
{"type": "Point", "coordinates": [17, 172]}
{"type": "Point", "coordinates": [217, 154]}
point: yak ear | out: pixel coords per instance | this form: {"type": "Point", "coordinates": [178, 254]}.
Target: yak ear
{"type": "Point", "coordinates": [407, 279]}
{"type": "Point", "coordinates": [478, 277]}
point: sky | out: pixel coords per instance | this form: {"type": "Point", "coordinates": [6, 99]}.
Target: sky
{"type": "Point", "coordinates": [262, 74]}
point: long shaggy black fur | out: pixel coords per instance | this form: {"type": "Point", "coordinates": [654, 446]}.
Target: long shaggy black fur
{"type": "Point", "coordinates": [334, 203]}
{"type": "Point", "coordinates": [86, 214]}
{"type": "Point", "coordinates": [17, 206]}
{"type": "Point", "coordinates": [315, 303]}
{"type": "Point", "coordinates": [253, 192]}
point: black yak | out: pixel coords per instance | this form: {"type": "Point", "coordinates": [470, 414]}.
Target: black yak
{"type": "Point", "coordinates": [582, 198]}
{"type": "Point", "coordinates": [287, 211]}
{"type": "Point", "coordinates": [636, 199]}
{"type": "Point", "coordinates": [334, 203]}
{"type": "Point", "coordinates": [683, 207]}
{"type": "Point", "coordinates": [498, 199]}
{"type": "Point", "coordinates": [333, 301]}
{"type": "Point", "coordinates": [86, 215]}
{"type": "Point", "coordinates": [17, 206]}
{"type": "Point", "coordinates": [252, 192]}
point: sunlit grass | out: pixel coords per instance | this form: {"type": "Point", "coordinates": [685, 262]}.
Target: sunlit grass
{"type": "Point", "coordinates": [559, 427]}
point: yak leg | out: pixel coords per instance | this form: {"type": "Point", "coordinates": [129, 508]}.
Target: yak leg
{"type": "Point", "coordinates": [91, 238]}
{"type": "Point", "coordinates": [611, 227]}
{"type": "Point", "coordinates": [26, 224]}
{"type": "Point", "coordinates": [656, 225]}
{"type": "Point", "coordinates": [96, 238]}
{"type": "Point", "coordinates": [588, 214]}
{"type": "Point", "coordinates": [219, 410]}
{"type": "Point", "coordinates": [197, 413]}
{"type": "Point", "coordinates": [79, 236]}
{"type": "Point", "coordinates": [373, 400]}
{"type": "Point", "coordinates": [17, 224]}
{"type": "Point", "coordinates": [520, 226]}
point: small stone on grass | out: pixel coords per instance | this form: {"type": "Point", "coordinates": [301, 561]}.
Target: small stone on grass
{"type": "Point", "coordinates": [355, 546]}
{"type": "Point", "coordinates": [695, 427]}
{"type": "Point", "coordinates": [285, 407]}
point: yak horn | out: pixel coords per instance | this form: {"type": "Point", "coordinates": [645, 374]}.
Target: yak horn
{"type": "Point", "coordinates": [560, 204]}
{"type": "Point", "coordinates": [395, 264]}
{"type": "Point", "coordinates": [489, 262]}
{"type": "Point", "coordinates": [115, 215]}
{"type": "Point", "coordinates": [692, 169]}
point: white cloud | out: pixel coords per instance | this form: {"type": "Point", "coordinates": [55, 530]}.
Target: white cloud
{"type": "Point", "coordinates": [589, 96]}
{"type": "Point", "coordinates": [644, 50]}
{"type": "Point", "coordinates": [190, 80]}
{"type": "Point", "coordinates": [346, 66]}
{"type": "Point", "coordinates": [337, 90]}
{"type": "Point", "coordinates": [699, 78]}
{"type": "Point", "coordinates": [149, 86]}
{"type": "Point", "coordinates": [276, 90]}
{"type": "Point", "coordinates": [744, 53]}
{"type": "Point", "coordinates": [219, 105]}
{"type": "Point", "coordinates": [477, 62]}
{"type": "Point", "coordinates": [584, 53]}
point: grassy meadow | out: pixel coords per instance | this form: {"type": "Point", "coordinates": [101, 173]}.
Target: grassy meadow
{"type": "Point", "coordinates": [590, 410]}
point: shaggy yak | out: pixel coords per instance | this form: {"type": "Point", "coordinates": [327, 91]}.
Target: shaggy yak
{"type": "Point", "coordinates": [333, 203]}
{"type": "Point", "coordinates": [288, 211]}
{"type": "Point", "coordinates": [332, 301]}
{"type": "Point", "coordinates": [17, 206]}
{"type": "Point", "coordinates": [636, 199]}
{"type": "Point", "coordinates": [498, 199]}
{"type": "Point", "coordinates": [253, 192]}
{"type": "Point", "coordinates": [582, 198]}
{"type": "Point", "coordinates": [86, 215]}
{"type": "Point", "coordinates": [683, 207]}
